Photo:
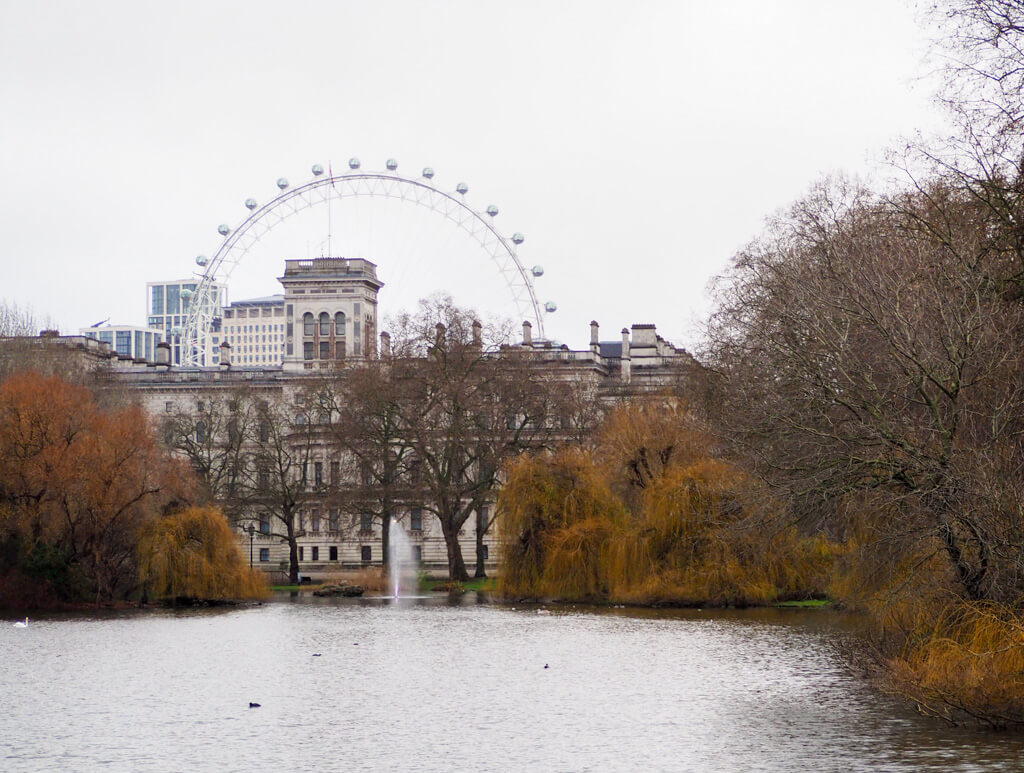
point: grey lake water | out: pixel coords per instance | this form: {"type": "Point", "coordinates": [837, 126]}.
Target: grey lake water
{"type": "Point", "coordinates": [433, 685]}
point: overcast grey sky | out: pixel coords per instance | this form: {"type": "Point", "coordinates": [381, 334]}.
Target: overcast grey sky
{"type": "Point", "coordinates": [637, 145]}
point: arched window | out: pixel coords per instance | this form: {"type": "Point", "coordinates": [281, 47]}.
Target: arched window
{"type": "Point", "coordinates": [307, 324]}
{"type": "Point", "coordinates": [325, 323]}
{"type": "Point", "coordinates": [339, 324]}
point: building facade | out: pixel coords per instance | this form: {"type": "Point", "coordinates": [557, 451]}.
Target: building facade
{"type": "Point", "coordinates": [330, 312]}
{"type": "Point", "coordinates": [274, 349]}
{"type": "Point", "coordinates": [255, 331]}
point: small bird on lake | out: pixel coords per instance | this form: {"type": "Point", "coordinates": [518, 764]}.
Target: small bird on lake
{"type": "Point", "coordinates": [253, 705]}
{"type": "Point", "coordinates": [22, 624]}
{"type": "Point", "coordinates": [545, 665]}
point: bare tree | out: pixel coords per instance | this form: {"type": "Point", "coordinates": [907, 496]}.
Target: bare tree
{"type": "Point", "coordinates": [368, 404]}
{"type": "Point", "coordinates": [470, 405]}
{"type": "Point", "coordinates": [16, 321]}
{"type": "Point", "coordinates": [277, 483]}
{"type": "Point", "coordinates": [858, 352]}
{"type": "Point", "coordinates": [216, 437]}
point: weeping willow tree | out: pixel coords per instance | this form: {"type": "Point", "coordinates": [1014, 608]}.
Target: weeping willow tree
{"type": "Point", "coordinates": [192, 554]}
{"type": "Point", "coordinates": [559, 514]}
{"type": "Point", "coordinates": [649, 516]}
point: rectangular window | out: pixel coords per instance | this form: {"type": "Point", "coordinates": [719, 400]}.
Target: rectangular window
{"type": "Point", "coordinates": [366, 553]}
{"type": "Point", "coordinates": [332, 520]}
{"type": "Point", "coordinates": [333, 552]}
{"type": "Point", "coordinates": [325, 350]}
{"type": "Point", "coordinates": [157, 300]}
{"type": "Point", "coordinates": [335, 473]}
{"type": "Point", "coordinates": [365, 522]}
{"type": "Point", "coordinates": [173, 293]}
{"type": "Point", "coordinates": [307, 350]}
{"type": "Point", "coordinates": [123, 345]}
{"type": "Point", "coordinates": [316, 553]}
{"type": "Point", "coordinates": [318, 473]}
{"type": "Point", "coordinates": [416, 520]}
{"type": "Point", "coordinates": [264, 554]}
{"type": "Point", "coordinates": [485, 552]}
{"type": "Point", "coordinates": [417, 553]}
{"type": "Point", "coordinates": [264, 525]}
{"type": "Point", "coordinates": [302, 554]}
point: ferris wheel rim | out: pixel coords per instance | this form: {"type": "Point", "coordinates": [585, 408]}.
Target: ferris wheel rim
{"type": "Point", "coordinates": [192, 341]}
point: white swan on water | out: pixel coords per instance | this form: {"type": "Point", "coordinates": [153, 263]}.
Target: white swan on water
{"type": "Point", "coordinates": [21, 624]}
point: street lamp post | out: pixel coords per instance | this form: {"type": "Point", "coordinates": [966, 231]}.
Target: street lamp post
{"type": "Point", "coordinates": [252, 530]}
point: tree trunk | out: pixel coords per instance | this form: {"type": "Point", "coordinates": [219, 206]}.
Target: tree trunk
{"type": "Point", "coordinates": [293, 555]}
{"type": "Point", "coordinates": [481, 571]}
{"type": "Point", "coordinates": [385, 536]}
{"type": "Point", "coordinates": [456, 564]}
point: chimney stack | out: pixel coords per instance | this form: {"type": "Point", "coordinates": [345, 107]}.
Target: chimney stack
{"type": "Point", "coordinates": [625, 356]}
{"type": "Point", "coordinates": [527, 333]}
{"type": "Point", "coordinates": [163, 356]}
{"type": "Point", "coordinates": [225, 355]}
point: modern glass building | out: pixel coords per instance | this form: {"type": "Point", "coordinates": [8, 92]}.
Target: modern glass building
{"type": "Point", "coordinates": [127, 340]}
{"type": "Point", "coordinates": [167, 305]}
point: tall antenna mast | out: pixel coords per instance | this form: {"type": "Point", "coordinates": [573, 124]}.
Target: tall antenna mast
{"type": "Point", "coordinates": [331, 173]}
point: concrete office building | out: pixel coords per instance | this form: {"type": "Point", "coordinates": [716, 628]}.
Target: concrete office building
{"type": "Point", "coordinates": [255, 331]}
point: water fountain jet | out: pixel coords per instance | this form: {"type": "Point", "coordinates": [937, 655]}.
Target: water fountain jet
{"type": "Point", "coordinates": [400, 560]}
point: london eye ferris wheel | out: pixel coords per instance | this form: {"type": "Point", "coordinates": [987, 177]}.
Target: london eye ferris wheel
{"type": "Point", "coordinates": [355, 183]}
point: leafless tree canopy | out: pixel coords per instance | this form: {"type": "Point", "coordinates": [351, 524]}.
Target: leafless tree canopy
{"type": "Point", "coordinates": [866, 345]}
{"type": "Point", "coordinates": [16, 321]}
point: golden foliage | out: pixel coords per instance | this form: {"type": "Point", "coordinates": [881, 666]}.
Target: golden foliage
{"type": "Point", "coordinates": [965, 659]}
{"type": "Point", "coordinates": [193, 554]}
{"type": "Point", "coordinates": [679, 527]}
{"type": "Point", "coordinates": [543, 496]}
